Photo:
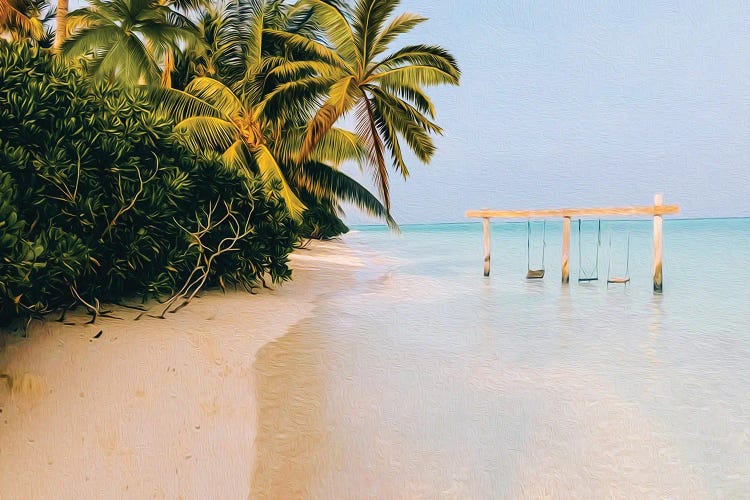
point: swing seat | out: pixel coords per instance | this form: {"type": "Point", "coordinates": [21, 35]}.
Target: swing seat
{"type": "Point", "coordinates": [535, 274]}
{"type": "Point", "coordinates": [587, 280]}
{"type": "Point", "coordinates": [618, 280]}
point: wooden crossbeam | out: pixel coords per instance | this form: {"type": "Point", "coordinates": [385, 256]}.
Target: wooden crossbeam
{"type": "Point", "coordinates": [574, 212]}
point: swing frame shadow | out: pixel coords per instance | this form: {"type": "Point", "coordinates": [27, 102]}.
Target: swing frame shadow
{"type": "Point", "coordinates": [657, 211]}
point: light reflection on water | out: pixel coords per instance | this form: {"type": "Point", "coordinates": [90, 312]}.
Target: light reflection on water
{"type": "Point", "coordinates": [426, 380]}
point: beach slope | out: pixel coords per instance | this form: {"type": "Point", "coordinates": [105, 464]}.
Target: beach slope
{"type": "Point", "coordinates": [150, 408]}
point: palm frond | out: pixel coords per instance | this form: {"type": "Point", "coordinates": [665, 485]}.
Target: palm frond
{"type": "Point", "coordinates": [253, 33]}
{"type": "Point", "coordinates": [340, 97]}
{"type": "Point", "coordinates": [207, 133]}
{"type": "Point", "coordinates": [129, 39]}
{"type": "Point", "coordinates": [401, 24]}
{"type": "Point", "coordinates": [389, 135]}
{"type": "Point", "coordinates": [323, 181]}
{"type": "Point", "coordinates": [413, 94]}
{"type": "Point", "coordinates": [370, 15]}
{"type": "Point", "coordinates": [406, 109]}
{"type": "Point", "coordinates": [218, 95]}
{"type": "Point", "coordinates": [308, 48]}
{"type": "Point", "coordinates": [336, 25]}
{"type": "Point", "coordinates": [189, 5]}
{"type": "Point", "coordinates": [83, 42]}
{"type": "Point", "coordinates": [180, 105]}
{"type": "Point", "coordinates": [13, 18]}
{"type": "Point", "coordinates": [85, 18]}
{"type": "Point", "coordinates": [336, 147]}
{"type": "Point", "coordinates": [235, 157]}
{"type": "Point", "coordinates": [416, 137]}
{"type": "Point", "coordinates": [413, 75]}
{"type": "Point", "coordinates": [271, 173]}
{"type": "Point", "coordinates": [427, 56]}
{"type": "Point", "coordinates": [300, 69]}
{"type": "Point", "coordinates": [287, 99]}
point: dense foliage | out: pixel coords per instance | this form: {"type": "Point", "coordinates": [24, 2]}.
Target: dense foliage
{"type": "Point", "coordinates": [98, 202]}
{"type": "Point", "coordinates": [229, 106]}
{"type": "Point", "coordinates": [322, 220]}
{"type": "Point", "coordinates": [161, 146]}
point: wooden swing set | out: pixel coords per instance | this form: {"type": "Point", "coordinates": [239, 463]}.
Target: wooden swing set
{"type": "Point", "coordinates": [658, 210]}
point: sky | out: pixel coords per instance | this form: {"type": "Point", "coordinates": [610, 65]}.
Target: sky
{"type": "Point", "coordinates": [584, 103]}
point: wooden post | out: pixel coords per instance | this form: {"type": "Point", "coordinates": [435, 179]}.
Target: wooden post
{"type": "Point", "coordinates": [566, 250]}
{"type": "Point", "coordinates": [657, 246]}
{"type": "Point", "coordinates": [486, 227]}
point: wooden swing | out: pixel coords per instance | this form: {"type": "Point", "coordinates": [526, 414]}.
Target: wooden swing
{"type": "Point", "coordinates": [535, 274]}
{"type": "Point", "coordinates": [584, 277]}
{"type": "Point", "coordinates": [625, 279]}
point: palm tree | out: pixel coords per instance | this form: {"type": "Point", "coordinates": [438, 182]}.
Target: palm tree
{"type": "Point", "coordinates": [230, 114]}
{"type": "Point", "coordinates": [387, 92]}
{"type": "Point", "coordinates": [127, 39]}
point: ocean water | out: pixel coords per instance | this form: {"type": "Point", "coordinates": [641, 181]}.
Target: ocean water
{"type": "Point", "coordinates": [425, 379]}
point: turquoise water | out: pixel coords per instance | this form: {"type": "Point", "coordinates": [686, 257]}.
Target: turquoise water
{"type": "Point", "coordinates": [433, 381]}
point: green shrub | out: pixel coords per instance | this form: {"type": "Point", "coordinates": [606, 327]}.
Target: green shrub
{"type": "Point", "coordinates": [321, 220]}
{"type": "Point", "coordinates": [97, 200]}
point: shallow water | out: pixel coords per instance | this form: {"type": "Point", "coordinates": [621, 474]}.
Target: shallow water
{"type": "Point", "coordinates": [427, 380]}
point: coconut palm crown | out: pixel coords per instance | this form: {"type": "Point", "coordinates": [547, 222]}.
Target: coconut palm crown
{"type": "Point", "coordinates": [229, 112]}
{"type": "Point", "coordinates": [128, 40]}
{"type": "Point", "coordinates": [386, 91]}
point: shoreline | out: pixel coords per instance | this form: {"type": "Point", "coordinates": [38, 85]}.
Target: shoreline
{"type": "Point", "coordinates": [151, 408]}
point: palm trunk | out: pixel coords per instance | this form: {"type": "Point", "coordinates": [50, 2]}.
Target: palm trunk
{"type": "Point", "coordinates": [166, 75]}
{"type": "Point", "coordinates": [62, 24]}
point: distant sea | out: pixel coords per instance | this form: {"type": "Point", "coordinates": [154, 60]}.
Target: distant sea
{"type": "Point", "coordinates": [432, 381]}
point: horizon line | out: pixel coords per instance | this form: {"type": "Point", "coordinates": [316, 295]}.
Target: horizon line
{"type": "Point", "coordinates": [644, 219]}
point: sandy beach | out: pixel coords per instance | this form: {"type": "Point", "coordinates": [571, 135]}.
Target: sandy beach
{"type": "Point", "coordinates": [151, 408]}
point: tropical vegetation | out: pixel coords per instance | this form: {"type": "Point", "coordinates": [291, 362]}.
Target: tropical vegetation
{"type": "Point", "coordinates": [155, 147]}
{"type": "Point", "coordinates": [101, 203]}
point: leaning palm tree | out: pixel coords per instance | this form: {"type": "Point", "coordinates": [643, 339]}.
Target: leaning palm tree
{"type": "Point", "coordinates": [387, 92]}
{"type": "Point", "coordinates": [213, 117]}
{"type": "Point", "coordinates": [228, 113]}
{"type": "Point", "coordinates": [126, 39]}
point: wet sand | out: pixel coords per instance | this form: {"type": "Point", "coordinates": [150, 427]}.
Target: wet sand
{"type": "Point", "coordinates": [151, 408]}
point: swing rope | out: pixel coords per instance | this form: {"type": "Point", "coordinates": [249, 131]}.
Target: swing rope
{"type": "Point", "coordinates": [626, 278]}
{"type": "Point", "coordinates": [528, 243]}
{"type": "Point", "coordinates": [582, 274]}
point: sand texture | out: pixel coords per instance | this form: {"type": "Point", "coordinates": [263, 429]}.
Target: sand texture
{"type": "Point", "coordinates": [151, 408]}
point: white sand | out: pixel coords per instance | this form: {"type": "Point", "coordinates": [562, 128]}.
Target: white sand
{"type": "Point", "coordinates": [152, 408]}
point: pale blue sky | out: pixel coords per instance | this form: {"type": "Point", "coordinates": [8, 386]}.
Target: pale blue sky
{"type": "Point", "coordinates": [585, 103]}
